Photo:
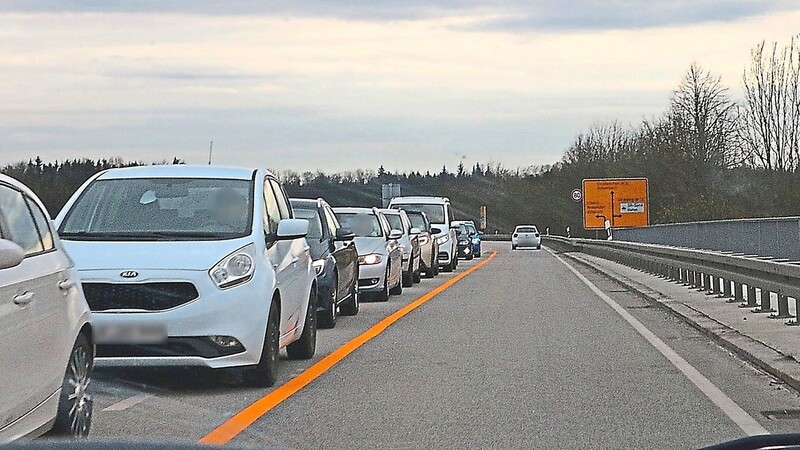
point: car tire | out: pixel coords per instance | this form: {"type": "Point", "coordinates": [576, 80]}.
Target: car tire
{"type": "Point", "coordinates": [408, 277]}
{"type": "Point", "coordinates": [74, 416]}
{"type": "Point", "coordinates": [383, 295]}
{"type": "Point", "coordinates": [327, 318]}
{"type": "Point", "coordinates": [469, 257]}
{"type": "Point", "coordinates": [351, 305]}
{"type": "Point", "coordinates": [418, 273]}
{"type": "Point", "coordinates": [264, 374]}
{"type": "Point", "coordinates": [398, 289]}
{"type": "Point", "coordinates": [435, 264]}
{"type": "Point", "coordinates": [513, 247]}
{"type": "Point", "coordinates": [538, 247]}
{"type": "Point", "coordinates": [306, 346]}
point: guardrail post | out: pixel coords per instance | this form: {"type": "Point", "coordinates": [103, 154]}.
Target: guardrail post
{"type": "Point", "coordinates": [766, 302]}
{"type": "Point", "coordinates": [726, 288]}
{"type": "Point", "coordinates": [737, 293]}
{"type": "Point", "coordinates": [793, 323]}
{"type": "Point", "coordinates": [783, 308]}
{"type": "Point", "coordinates": [709, 284]}
{"type": "Point", "coordinates": [751, 298]}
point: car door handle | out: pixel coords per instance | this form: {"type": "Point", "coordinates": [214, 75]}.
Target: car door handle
{"type": "Point", "coordinates": [23, 299]}
{"type": "Point", "coordinates": [66, 285]}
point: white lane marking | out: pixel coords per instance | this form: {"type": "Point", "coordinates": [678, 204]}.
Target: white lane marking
{"type": "Point", "coordinates": [735, 412]}
{"type": "Point", "coordinates": [122, 405]}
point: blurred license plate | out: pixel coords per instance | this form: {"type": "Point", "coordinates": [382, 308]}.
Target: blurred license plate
{"type": "Point", "coordinates": [129, 333]}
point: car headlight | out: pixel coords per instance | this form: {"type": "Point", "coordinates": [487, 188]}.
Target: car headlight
{"type": "Point", "coordinates": [319, 266]}
{"type": "Point", "coordinates": [372, 258]}
{"type": "Point", "coordinates": [443, 239]}
{"type": "Point", "coordinates": [234, 269]}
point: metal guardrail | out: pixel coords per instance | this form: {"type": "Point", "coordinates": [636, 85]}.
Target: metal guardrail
{"type": "Point", "coordinates": [747, 280]}
{"type": "Point", "coordinates": [774, 236]}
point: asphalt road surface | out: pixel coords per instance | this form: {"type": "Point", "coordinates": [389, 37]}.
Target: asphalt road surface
{"type": "Point", "coordinates": [520, 353]}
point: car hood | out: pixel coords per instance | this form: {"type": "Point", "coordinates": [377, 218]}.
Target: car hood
{"type": "Point", "coordinates": [366, 245]}
{"type": "Point", "coordinates": [159, 255]}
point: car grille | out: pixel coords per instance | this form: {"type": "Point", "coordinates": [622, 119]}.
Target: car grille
{"type": "Point", "coordinates": [144, 296]}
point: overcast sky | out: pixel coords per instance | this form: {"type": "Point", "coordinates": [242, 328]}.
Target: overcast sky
{"type": "Point", "coordinates": [338, 85]}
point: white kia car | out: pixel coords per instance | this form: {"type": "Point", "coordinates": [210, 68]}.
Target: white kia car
{"type": "Point", "coordinates": [46, 346]}
{"type": "Point", "coordinates": [193, 266]}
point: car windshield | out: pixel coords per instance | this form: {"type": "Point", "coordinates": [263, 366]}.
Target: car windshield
{"type": "Point", "coordinates": [471, 229]}
{"type": "Point", "coordinates": [395, 221]}
{"type": "Point", "coordinates": [361, 224]}
{"type": "Point", "coordinates": [434, 212]}
{"type": "Point", "coordinates": [314, 222]}
{"type": "Point", "coordinates": [526, 230]}
{"type": "Point", "coordinates": [417, 221]}
{"type": "Point", "coordinates": [161, 208]}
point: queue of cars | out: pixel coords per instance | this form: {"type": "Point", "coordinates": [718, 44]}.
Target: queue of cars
{"type": "Point", "coordinates": [188, 266]}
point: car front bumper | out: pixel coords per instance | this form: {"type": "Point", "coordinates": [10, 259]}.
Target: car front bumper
{"type": "Point", "coordinates": [371, 277]}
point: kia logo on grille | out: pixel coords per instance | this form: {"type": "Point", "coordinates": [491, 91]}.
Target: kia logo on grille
{"type": "Point", "coordinates": [129, 274]}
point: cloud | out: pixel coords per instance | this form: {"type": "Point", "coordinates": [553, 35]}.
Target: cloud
{"type": "Point", "coordinates": [514, 15]}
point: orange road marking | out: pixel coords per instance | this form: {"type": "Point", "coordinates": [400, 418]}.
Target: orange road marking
{"type": "Point", "coordinates": [246, 417]}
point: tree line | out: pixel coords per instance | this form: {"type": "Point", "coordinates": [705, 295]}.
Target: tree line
{"type": "Point", "coordinates": [708, 156]}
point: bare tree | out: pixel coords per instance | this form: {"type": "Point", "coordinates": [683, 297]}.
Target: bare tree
{"type": "Point", "coordinates": [771, 114]}
{"type": "Point", "coordinates": [704, 104]}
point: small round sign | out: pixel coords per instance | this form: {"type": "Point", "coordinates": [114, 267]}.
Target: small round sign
{"type": "Point", "coordinates": [577, 195]}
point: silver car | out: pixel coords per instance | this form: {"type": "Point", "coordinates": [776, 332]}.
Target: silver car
{"type": "Point", "coordinates": [380, 255]}
{"type": "Point", "coordinates": [398, 220]}
{"type": "Point", "coordinates": [429, 249]}
{"type": "Point", "coordinates": [46, 346]}
{"type": "Point", "coordinates": [526, 236]}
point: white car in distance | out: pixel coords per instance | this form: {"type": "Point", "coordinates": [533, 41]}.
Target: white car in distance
{"type": "Point", "coordinates": [193, 266]}
{"type": "Point", "coordinates": [46, 347]}
{"type": "Point", "coordinates": [526, 236]}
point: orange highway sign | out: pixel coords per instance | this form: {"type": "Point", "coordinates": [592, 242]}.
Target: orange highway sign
{"type": "Point", "coordinates": [621, 201]}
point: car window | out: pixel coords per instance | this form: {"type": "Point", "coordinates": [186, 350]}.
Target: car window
{"type": "Point", "coordinates": [526, 230]}
{"type": "Point", "coordinates": [314, 222]}
{"type": "Point", "coordinates": [449, 217]}
{"type": "Point", "coordinates": [417, 221]}
{"type": "Point", "coordinates": [434, 212]}
{"type": "Point", "coordinates": [162, 208]}
{"type": "Point", "coordinates": [395, 222]}
{"type": "Point", "coordinates": [273, 213]}
{"type": "Point", "coordinates": [20, 224]}
{"type": "Point", "coordinates": [283, 202]}
{"type": "Point", "coordinates": [361, 224]}
{"type": "Point", "coordinates": [42, 224]}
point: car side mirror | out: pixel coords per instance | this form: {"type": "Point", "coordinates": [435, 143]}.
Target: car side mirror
{"type": "Point", "coordinates": [395, 234]}
{"type": "Point", "coordinates": [289, 229]}
{"type": "Point", "coordinates": [11, 254]}
{"type": "Point", "coordinates": [416, 231]}
{"type": "Point", "coordinates": [435, 230]}
{"type": "Point", "coordinates": [343, 234]}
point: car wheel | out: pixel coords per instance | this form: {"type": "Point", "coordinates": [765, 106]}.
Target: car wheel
{"type": "Point", "coordinates": [539, 247]}
{"type": "Point", "coordinates": [470, 256]}
{"type": "Point", "coordinates": [74, 416]}
{"type": "Point", "coordinates": [398, 289]}
{"type": "Point", "coordinates": [350, 307]}
{"type": "Point", "coordinates": [435, 265]}
{"type": "Point", "coordinates": [513, 247]}
{"type": "Point", "coordinates": [408, 277]}
{"type": "Point", "coordinates": [327, 318]}
{"type": "Point", "coordinates": [418, 273]}
{"type": "Point", "coordinates": [305, 347]}
{"type": "Point", "coordinates": [264, 374]}
{"type": "Point", "coordinates": [383, 295]}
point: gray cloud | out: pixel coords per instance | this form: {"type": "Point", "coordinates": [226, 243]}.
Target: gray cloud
{"type": "Point", "coordinates": [517, 15]}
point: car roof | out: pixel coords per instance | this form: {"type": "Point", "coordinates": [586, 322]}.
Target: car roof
{"type": "Point", "coordinates": [307, 202]}
{"type": "Point", "coordinates": [393, 212]}
{"type": "Point", "coordinates": [350, 209]}
{"type": "Point", "coordinates": [420, 199]}
{"type": "Point", "coordinates": [179, 171]}
{"type": "Point", "coordinates": [523, 226]}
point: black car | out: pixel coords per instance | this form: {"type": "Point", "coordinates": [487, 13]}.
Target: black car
{"type": "Point", "coordinates": [464, 242]}
{"type": "Point", "coordinates": [335, 260]}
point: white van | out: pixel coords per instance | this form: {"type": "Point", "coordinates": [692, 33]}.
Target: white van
{"type": "Point", "coordinates": [440, 216]}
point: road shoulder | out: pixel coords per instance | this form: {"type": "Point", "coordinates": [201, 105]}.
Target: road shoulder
{"type": "Point", "coordinates": [765, 343]}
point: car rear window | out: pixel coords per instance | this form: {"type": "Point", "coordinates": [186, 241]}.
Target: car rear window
{"type": "Point", "coordinates": [527, 230]}
{"type": "Point", "coordinates": [435, 213]}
